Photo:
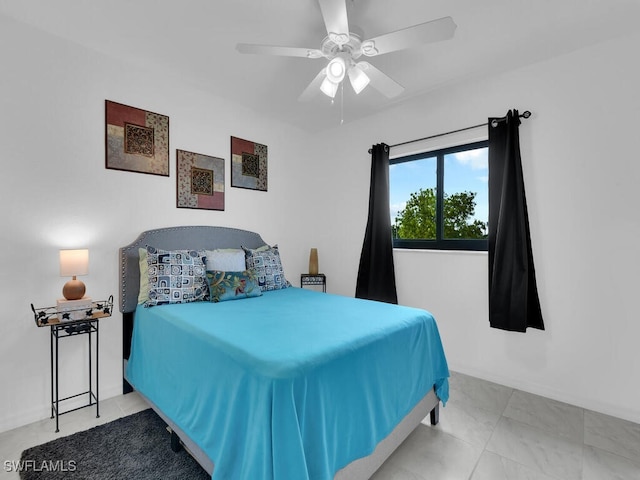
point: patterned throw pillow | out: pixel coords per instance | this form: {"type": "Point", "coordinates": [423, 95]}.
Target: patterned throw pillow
{"type": "Point", "coordinates": [232, 285]}
{"type": "Point", "coordinates": [268, 268]}
{"type": "Point", "coordinates": [176, 276]}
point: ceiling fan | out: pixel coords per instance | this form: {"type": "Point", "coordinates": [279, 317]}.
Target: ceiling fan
{"type": "Point", "coordinates": [344, 48]}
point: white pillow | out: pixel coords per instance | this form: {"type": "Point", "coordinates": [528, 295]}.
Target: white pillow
{"type": "Point", "coordinates": [226, 260]}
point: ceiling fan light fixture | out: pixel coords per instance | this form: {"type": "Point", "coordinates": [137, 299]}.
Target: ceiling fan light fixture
{"type": "Point", "coordinates": [336, 70]}
{"type": "Point", "coordinates": [328, 87]}
{"type": "Point", "coordinates": [359, 80]}
{"type": "Point", "coordinates": [342, 48]}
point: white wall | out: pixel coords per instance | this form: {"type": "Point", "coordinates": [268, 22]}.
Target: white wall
{"type": "Point", "coordinates": [56, 193]}
{"type": "Point", "coordinates": [581, 171]}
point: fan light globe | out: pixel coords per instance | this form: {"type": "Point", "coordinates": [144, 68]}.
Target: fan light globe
{"type": "Point", "coordinates": [336, 70]}
{"type": "Point", "coordinates": [359, 79]}
{"type": "Point", "coordinates": [328, 87]}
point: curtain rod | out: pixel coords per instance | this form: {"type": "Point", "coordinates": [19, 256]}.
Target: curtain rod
{"type": "Point", "coordinates": [494, 123]}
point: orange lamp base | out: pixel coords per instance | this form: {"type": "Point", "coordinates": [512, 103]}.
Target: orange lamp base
{"type": "Point", "coordinates": [73, 289]}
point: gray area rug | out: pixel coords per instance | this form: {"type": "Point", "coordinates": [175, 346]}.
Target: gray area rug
{"type": "Point", "coordinates": [133, 447]}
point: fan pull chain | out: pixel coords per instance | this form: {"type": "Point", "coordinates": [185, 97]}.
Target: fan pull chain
{"type": "Point", "coordinates": [341, 103]}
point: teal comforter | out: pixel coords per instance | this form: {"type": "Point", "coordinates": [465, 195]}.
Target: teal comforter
{"type": "Point", "coordinates": [294, 384]}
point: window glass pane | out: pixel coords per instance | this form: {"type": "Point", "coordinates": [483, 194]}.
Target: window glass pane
{"type": "Point", "coordinates": [412, 198]}
{"type": "Point", "coordinates": [466, 202]}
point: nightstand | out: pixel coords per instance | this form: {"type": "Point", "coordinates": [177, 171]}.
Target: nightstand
{"type": "Point", "coordinates": [86, 320]}
{"type": "Point", "coordinates": [311, 279]}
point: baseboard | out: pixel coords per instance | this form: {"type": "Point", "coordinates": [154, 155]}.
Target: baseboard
{"type": "Point", "coordinates": [545, 391]}
{"type": "Point", "coordinates": [20, 419]}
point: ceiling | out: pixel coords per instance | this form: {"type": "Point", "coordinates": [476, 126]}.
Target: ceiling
{"type": "Point", "coordinates": [196, 39]}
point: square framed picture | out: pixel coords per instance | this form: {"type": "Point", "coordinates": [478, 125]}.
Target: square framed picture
{"type": "Point", "coordinates": [248, 164]}
{"type": "Point", "coordinates": [200, 181]}
{"type": "Point", "coordinates": [136, 140]}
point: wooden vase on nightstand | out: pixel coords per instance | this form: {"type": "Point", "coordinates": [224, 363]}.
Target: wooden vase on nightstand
{"type": "Point", "coordinates": [313, 261]}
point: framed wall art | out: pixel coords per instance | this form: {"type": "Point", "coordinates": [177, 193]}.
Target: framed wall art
{"type": "Point", "coordinates": [137, 140]}
{"type": "Point", "coordinates": [248, 164]}
{"type": "Point", "coordinates": [200, 181]}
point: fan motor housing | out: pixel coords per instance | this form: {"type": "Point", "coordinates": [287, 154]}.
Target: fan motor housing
{"type": "Point", "coordinates": [353, 47]}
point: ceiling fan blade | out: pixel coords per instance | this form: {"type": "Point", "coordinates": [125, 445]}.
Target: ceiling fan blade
{"type": "Point", "coordinates": [433, 31]}
{"type": "Point", "coordinates": [276, 50]}
{"type": "Point", "coordinates": [334, 13]}
{"type": "Point", "coordinates": [314, 87]}
{"type": "Point", "coordinates": [381, 81]}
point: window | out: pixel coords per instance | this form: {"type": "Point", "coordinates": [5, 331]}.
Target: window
{"type": "Point", "coordinates": [439, 199]}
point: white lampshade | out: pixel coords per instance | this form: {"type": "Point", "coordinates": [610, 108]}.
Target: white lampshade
{"type": "Point", "coordinates": [74, 262]}
{"type": "Point", "coordinates": [359, 79]}
{"type": "Point", "coordinates": [329, 88]}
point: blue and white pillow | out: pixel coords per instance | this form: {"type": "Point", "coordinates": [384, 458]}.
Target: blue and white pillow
{"type": "Point", "coordinates": [268, 267]}
{"type": "Point", "coordinates": [232, 285]}
{"type": "Point", "coordinates": [176, 276]}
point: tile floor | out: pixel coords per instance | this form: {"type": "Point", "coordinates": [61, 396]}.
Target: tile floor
{"type": "Point", "coordinates": [491, 432]}
{"type": "Point", "coordinates": [486, 432]}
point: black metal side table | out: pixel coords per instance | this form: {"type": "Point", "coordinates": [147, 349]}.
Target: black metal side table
{"type": "Point", "coordinates": [314, 279]}
{"type": "Point", "coordinates": [89, 324]}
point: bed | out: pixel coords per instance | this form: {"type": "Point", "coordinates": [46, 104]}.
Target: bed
{"type": "Point", "coordinates": [290, 384]}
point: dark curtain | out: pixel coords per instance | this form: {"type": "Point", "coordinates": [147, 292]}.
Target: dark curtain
{"type": "Point", "coordinates": [376, 275]}
{"type": "Point", "coordinates": [513, 292]}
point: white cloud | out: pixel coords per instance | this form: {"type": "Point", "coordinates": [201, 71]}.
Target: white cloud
{"type": "Point", "coordinates": [476, 159]}
{"type": "Point", "coordinates": [396, 208]}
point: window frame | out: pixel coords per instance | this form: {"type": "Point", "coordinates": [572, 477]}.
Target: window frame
{"type": "Point", "coordinates": [441, 243]}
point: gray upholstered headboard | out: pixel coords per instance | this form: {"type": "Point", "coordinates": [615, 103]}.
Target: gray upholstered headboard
{"type": "Point", "coordinates": [174, 238]}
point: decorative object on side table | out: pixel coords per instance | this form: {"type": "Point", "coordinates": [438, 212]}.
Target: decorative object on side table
{"type": "Point", "coordinates": [313, 261]}
{"type": "Point", "coordinates": [74, 309]}
{"type": "Point", "coordinates": [82, 320]}
{"type": "Point", "coordinates": [136, 140]}
{"type": "Point", "coordinates": [200, 181]}
{"type": "Point", "coordinates": [248, 164]}
{"type": "Point", "coordinates": [317, 279]}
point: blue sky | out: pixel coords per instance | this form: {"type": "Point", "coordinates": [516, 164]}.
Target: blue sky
{"type": "Point", "coordinates": [464, 171]}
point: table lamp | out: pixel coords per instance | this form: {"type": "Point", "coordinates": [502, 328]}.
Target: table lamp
{"type": "Point", "coordinates": [72, 264]}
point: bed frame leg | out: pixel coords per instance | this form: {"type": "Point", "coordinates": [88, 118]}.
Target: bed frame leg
{"type": "Point", "coordinates": [435, 415]}
{"type": "Point", "coordinates": [176, 446]}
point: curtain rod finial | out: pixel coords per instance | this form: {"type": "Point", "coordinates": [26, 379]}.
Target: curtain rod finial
{"type": "Point", "coordinates": [386, 147]}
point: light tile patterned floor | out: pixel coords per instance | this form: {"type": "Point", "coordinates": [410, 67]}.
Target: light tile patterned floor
{"type": "Point", "coordinates": [486, 432]}
{"type": "Point", "coordinates": [491, 432]}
